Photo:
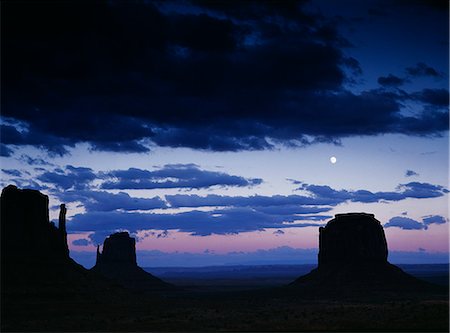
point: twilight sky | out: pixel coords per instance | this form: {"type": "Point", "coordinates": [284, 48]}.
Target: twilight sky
{"type": "Point", "coordinates": [206, 128]}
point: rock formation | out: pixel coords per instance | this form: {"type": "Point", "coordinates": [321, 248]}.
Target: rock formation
{"type": "Point", "coordinates": [353, 257]}
{"type": "Point", "coordinates": [27, 236]}
{"type": "Point", "coordinates": [34, 253]}
{"type": "Point", "coordinates": [118, 263]}
{"type": "Point", "coordinates": [353, 237]}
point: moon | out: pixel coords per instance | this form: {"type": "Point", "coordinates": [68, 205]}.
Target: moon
{"type": "Point", "coordinates": [333, 159]}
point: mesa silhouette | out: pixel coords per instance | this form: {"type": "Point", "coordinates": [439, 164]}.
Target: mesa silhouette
{"type": "Point", "coordinates": [352, 258]}
{"type": "Point", "coordinates": [118, 263]}
{"type": "Point", "coordinates": [34, 252]}
{"type": "Point", "coordinates": [35, 256]}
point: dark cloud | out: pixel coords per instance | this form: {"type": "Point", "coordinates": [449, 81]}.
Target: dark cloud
{"type": "Point", "coordinates": [278, 232]}
{"type": "Point", "coordinates": [12, 172]}
{"type": "Point", "coordinates": [410, 224]}
{"type": "Point", "coordinates": [81, 242]}
{"type": "Point", "coordinates": [391, 81]}
{"type": "Point", "coordinates": [318, 195]}
{"type": "Point", "coordinates": [77, 178]}
{"type": "Point", "coordinates": [434, 219]}
{"type": "Point", "coordinates": [410, 190]}
{"type": "Point", "coordinates": [108, 212]}
{"type": "Point", "coordinates": [422, 190]}
{"type": "Point", "coordinates": [211, 76]}
{"type": "Point", "coordinates": [26, 183]}
{"type": "Point", "coordinates": [12, 136]}
{"type": "Point", "coordinates": [410, 173]}
{"type": "Point", "coordinates": [163, 234]}
{"type": "Point", "coordinates": [5, 150]}
{"type": "Point", "coordinates": [187, 176]}
{"type": "Point", "coordinates": [34, 161]}
{"type": "Point", "coordinates": [435, 97]}
{"type": "Point", "coordinates": [422, 69]}
{"type": "Point", "coordinates": [404, 223]}
{"type": "Point", "coordinates": [267, 203]}
{"type": "Point", "coordinates": [197, 223]}
{"type": "Point", "coordinates": [99, 236]}
{"type": "Point", "coordinates": [173, 176]}
{"type": "Point", "coordinates": [101, 201]}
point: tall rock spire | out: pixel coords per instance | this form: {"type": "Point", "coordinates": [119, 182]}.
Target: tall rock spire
{"type": "Point", "coordinates": [62, 218]}
{"type": "Point", "coordinates": [98, 254]}
{"type": "Point", "coordinates": [62, 226]}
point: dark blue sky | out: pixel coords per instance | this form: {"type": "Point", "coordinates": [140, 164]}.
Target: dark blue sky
{"type": "Point", "coordinates": [206, 118]}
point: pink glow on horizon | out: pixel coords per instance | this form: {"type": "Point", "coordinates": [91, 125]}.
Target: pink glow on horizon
{"type": "Point", "coordinates": [434, 239]}
{"type": "Point", "coordinates": [247, 242]}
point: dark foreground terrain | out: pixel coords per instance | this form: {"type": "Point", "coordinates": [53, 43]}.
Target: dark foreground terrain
{"type": "Point", "coordinates": [215, 298]}
{"type": "Point", "coordinates": [213, 312]}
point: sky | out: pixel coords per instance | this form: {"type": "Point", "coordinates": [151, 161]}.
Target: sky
{"type": "Point", "coordinates": [208, 129]}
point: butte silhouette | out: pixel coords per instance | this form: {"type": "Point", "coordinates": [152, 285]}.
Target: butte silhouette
{"type": "Point", "coordinates": [118, 263]}
{"type": "Point", "coordinates": [352, 258]}
{"type": "Point", "coordinates": [35, 256]}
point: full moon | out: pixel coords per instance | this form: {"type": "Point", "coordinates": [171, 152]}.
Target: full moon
{"type": "Point", "coordinates": [333, 159]}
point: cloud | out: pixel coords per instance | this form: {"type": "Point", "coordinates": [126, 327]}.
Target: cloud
{"type": "Point", "coordinates": [12, 136]}
{"type": "Point", "coordinates": [410, 173]}
{"type": "Point", "coordinates": [422, 69]}
{"type": "Point", "coordinates": [81, 242]}
{"type": "Point", "coordinates": [5, 151]}
{"type": "Point", "coordinates": [99, 236]}
{"type": "Point", "coordinates": [404, 223]}
{"type": "Point", "coordinates": [102, 201]}
{"type": "Point", "coordinates": [77, 178]}
{"type": "Point", "coordinates": [434, 219]}
{"type": "Point", "coordinates": [163, 234]}
{"type": "Point", "coordinates": [26, 183]}
{"type": "Point", "coordinates": [258, 75]}
{"type": "Point", "coordinates": [422, 190]}
{"type": "Point", "coordinates": [435, 97]}
{"type": "Point", "coordinates": [187, 176]}
{"type": "Point", "coordinates": [197, 223]}
{"type": "Point", "coordinates": [391, 81]}
{"type": "Point", "coordinates": [109, 212]}
{"type": "Point", "coordinates": [173, 176]}
{"type": "Point", "coordinates": [264, 203]}
{"type": "Point", "coordinates": [12, 172]}
{"type": "Point", "coordinates": [409, 190]}
{"type": "Point", "coordinates": [278, 232]}
{"type": "Point", "coordinates": [410, 224]}
{"type": "Point", "coordinates": [238, 214]}
{"type": "Point", "coordinates": [34, 161]}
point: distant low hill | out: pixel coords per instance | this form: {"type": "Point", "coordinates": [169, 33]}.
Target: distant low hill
{"type": "Point", "coordinates": [256, 276]}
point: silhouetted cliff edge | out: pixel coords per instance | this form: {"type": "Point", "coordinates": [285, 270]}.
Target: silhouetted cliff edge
{"type": "Point", "coordinates": [34, 253]}
{"type": "Point", "coordinates": [118, 263]}
{"type": "Point", "coordinates": [353, 257]}
{"type": "Point", "coordinates": [33, 250]}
